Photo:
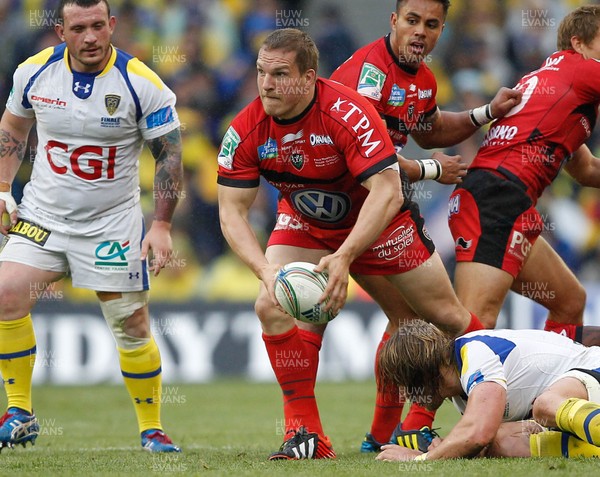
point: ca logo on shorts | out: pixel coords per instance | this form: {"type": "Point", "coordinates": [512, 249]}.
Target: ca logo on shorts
{"type": "Point", "coordinates": [112, 255]}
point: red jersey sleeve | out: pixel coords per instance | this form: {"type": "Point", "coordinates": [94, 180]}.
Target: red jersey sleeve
{"type": "Point", "coordinates": [238, 159]}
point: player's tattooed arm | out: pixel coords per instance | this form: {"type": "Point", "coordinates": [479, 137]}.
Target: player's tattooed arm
{"type": "Point", "coordinates": [168, 177]}
{"type": "Point", "coordinates": [11, 145]}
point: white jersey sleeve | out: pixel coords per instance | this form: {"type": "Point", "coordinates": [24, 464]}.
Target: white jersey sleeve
{"type": "Point", "coordinates": [157, 102]}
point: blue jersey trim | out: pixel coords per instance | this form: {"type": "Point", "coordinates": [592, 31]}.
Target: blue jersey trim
{"type": "Point", "coordinates": [121, 65]}
{"type": "Point", "coordinates": [500, 346]}
{"type": "Point", "coordinates": [57, 55]}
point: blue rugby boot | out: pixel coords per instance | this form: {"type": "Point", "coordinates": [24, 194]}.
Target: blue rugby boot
{"type": "Point", "coordinates": [155, 440]}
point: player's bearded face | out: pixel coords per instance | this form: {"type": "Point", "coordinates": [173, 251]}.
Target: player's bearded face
{"type": "Point", "coordinates": [283, 90]}
{"type": "Point", "coordinates": [416, 29]}
{"type": "Point", "coordinates": [87, 33]}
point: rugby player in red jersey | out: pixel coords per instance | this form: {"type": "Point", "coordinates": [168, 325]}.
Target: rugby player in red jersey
{"type": "Point", "coordinates": [326, 150]}
{"type": "Point", "coordinates": [392, 74]}
{"type": "Point", "coordinates": [492, 214]}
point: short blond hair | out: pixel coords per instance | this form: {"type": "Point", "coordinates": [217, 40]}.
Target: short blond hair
{"type": "Point", "coordinates": [291, 39]}
{"type": "Point", "coordinates": [582, 23]}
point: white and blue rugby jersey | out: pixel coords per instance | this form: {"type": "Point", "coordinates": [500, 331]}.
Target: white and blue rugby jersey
{"type": "Point", "coordinates": [524, 362]}
{"type": "Point", "coordinates": [91, 128]}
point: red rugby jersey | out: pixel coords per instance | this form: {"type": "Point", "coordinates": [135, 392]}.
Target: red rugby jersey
{"type": "Point", "coordinates": [556, 115]}
{"type": "Point", "coordinates": [402, 95]}
{"type": "Point", "coordinates": [316, 160]}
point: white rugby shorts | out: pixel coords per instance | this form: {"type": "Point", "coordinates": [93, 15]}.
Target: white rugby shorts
{"type": "Point", "coordinates": [101, 254]}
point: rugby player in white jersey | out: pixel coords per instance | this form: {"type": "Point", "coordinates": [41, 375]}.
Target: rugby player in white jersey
{"type": "Point", "coordinates": [94, 107]}
{"type": "Point", "coordinates": [521, 393]}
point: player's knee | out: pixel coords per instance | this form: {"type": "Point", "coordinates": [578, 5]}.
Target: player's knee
{"type": "Point", "coordinates": [127, 319]}
{"type": "Point", "coordinates": [544, 409]}
{"type": "Point", "coordinates": [451, 319]}
{"type": "Point", "coordinates": [569, 307]}
{"type": "Point", "coordinates": [266, 311]}
{"type": "Point", "coordinates": [11, 307]}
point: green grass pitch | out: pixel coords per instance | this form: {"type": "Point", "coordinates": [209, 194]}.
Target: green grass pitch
{"type": "Point", "coordinates": [229, 428]}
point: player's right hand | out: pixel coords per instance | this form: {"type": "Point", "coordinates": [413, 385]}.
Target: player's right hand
{"type": "Point", "coordinates": [8, 211]}
{"type": "Point", "coordinates": [453, 168]}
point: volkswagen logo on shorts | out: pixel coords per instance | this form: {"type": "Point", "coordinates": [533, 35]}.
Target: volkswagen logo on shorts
{"type": "Point", "coordinates": [322, 205]}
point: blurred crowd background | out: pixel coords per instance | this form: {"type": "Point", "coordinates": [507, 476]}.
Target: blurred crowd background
{"type": "Point", "coordinates": [205, 50]}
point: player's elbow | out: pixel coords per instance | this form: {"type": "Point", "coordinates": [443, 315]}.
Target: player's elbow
{"type": "Point", "coordinates": [479, 438]}
{"type": "Point", "coordinates": [393, 204]}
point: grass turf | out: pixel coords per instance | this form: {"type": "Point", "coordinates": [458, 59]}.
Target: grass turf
{"type": "Point", "coordinates": [228, 428]}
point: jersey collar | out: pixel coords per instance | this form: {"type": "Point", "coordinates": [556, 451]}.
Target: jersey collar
{"type": "Point", "coordinates": [283, 122]}
{"type": "Point", "coordinates": [109, 65]}
{"type": "Point", "coordinates": [408, 69]}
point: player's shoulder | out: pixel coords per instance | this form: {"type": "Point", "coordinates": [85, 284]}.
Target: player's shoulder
{"type": "Point", "coordinates": [135, 70]}
{"type": "Point", "coordinates": [369, 64]}
{"type": "Point", "coordinates": [249, 119]}
{"type": "Point", "coordinates": [329, 90]}
{"type": "Point", "coordinates": [44, 57]}
{"type": "Point", "coordinates": [425, 72]}
{"type": "Point", "coordinates": [334, 97]}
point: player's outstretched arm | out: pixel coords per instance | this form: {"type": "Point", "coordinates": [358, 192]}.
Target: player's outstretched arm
{"type": "Point", "coordinates": [168, 184]}
{"type": "Point", "coordinates": [441, 167]}
{"type": "Point", "coordinates": [447, 128]}
{"type": "Point", "coordinates": [474, 432]}
{"type": "Point", "coordinates": [14, 131]}
{"type": "Point", "coordinates": [584, 167]}
{"type": "Point", "coordinates": [477, 427]}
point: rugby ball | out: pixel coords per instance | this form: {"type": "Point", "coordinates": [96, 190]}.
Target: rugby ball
{"type": "Point", "coordinates": [298, 289]}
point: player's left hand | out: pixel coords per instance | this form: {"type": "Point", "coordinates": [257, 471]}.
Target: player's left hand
{"type": "Point", "coordinates": [158, 240]}
{"type": "Point", "coordinates": [337, 267]}
{"type": "Point", "coordinates": [504, 101]}
{"type": "Point", "coordinates": [392, 452]}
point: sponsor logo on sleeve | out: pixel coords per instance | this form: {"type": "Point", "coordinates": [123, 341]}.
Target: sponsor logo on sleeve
{"type": "Point", "coordinates": [31, 231]}
{"type": "Point", "coordinates": [370, 82]}
{"type": "Point", "coordinates": [360, 124]}
{"type": "Point", "coordinates": [231, 141]}
{"type": "Point", "coordinates": [160, 118]}
{"type": "Point", "coordinates": [474, 379]}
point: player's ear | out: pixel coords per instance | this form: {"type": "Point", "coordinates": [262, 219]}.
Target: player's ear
{"type": "Point", "coordinates": [311, 76]}
{"type": "Point", "coordinates": [112, 21]}
{"type": "Point", "coordinates": [393, 21]}
{"type": "Point", "coordinates": [577, 44]}
{"type": "Point", "coordinates": [59, 29]}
